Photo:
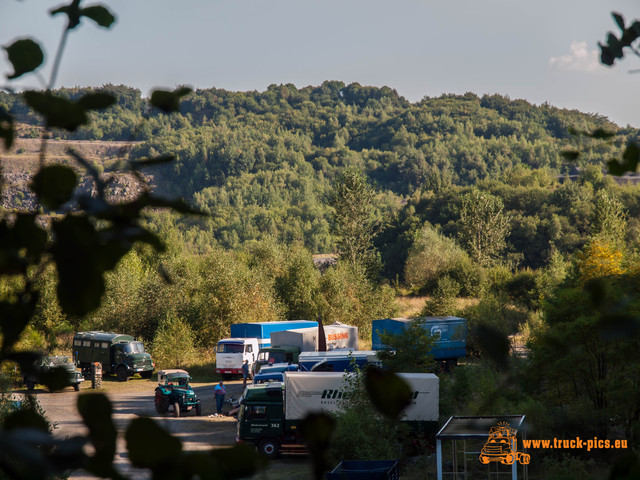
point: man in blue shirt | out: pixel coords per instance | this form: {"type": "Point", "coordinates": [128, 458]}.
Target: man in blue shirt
{"type": "Point", "coordinates": [219, 392]}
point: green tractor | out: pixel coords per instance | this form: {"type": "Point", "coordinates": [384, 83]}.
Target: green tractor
{"type": "Point", "coordinates": [174, 391]}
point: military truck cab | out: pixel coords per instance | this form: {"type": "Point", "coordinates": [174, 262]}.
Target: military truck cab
{"type": "Point", "coordinates": [276, 354]}
{"type": "Point", "coordinates": [261, 420]}
{"type": "Point", "coordinates": [120, 355]}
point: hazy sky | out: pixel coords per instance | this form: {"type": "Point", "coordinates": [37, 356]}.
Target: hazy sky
{"type": "Point", "coordinates": [539, 50]}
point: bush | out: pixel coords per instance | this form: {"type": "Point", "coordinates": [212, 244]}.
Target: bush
{"type": "Point", "coordinates": [431, 255]}
{"type": "Point", "coordinates": [443, 301]}
{"type": "Point", "coordinates": [173, 345]}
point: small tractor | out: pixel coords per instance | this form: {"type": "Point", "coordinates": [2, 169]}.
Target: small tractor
{"type": "Point", "coordinates": [174, 391]}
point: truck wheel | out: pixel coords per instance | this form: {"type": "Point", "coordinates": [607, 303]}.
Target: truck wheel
{"type": "Point", "coordinates": [76, 387]}
{"type": "Point", "coordinates": [122, 373]}
{"type": "Point", "coordinates": [198, 409]}
{"type": "Point", "coordinates": [30, 385]}
{"type": "Point", "coordinates": [162, 405]}
{"type": "Point", "coordinates": [270, 448]}
{"type": "Point", "coordinates": [146, 375]}
{"type": "Point", "coordinates": [176, 409]}
{"type": "Point", "coordinates": [484, 460]}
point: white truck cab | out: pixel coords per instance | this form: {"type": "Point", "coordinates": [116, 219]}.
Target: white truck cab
{"type": "Point", "coordinates": [231, 354]}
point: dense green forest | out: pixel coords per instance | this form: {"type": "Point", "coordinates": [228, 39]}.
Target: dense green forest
{"type": "Point", "coordinates": [263, 163]}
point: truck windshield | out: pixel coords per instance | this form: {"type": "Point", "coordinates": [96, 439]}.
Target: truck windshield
{"type": "Point", "coordinates": [133, 347]}
{"type": "Point", "coordinates": [272, 357]}
{"type": "Point", "coordinates": [230, 348]}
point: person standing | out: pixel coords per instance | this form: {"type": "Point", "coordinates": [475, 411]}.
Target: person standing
{"type": "Point", "coordinates": [245, 372]}
{"type": "Point", "coordinates": [219, 393]}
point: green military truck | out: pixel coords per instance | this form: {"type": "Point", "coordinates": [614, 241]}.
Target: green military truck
{"type": "Point", "coordinates": [45, 363]}
{"type": "Point", "coordinates": [120, 355]}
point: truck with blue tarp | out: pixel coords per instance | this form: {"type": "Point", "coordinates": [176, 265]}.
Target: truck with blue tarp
{"type": "Point", "coordinates": [246, 341]}
{"type": "Point", "coordinates": [451, 331]}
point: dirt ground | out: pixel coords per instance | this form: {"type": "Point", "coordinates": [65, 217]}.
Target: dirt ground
{"type": "Point", "coordinates": [135, 398]}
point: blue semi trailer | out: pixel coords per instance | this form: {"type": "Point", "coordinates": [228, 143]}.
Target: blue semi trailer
{"type": "Point", "coordinates": [452, 332]}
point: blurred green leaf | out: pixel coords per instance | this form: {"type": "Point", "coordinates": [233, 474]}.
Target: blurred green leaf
{"type": "Point", "coordinates": [625, 467]}
{"type": "Point", "coordinates": [389, 393]}
{"type": "Point", "coordinates": [15, 316]}
{"type": "Point", "coordinates": [25, 418]}
{"type": "Point", "coordinates": [494, 344]}
{"type": "Point", "coordinates": [54, 185]}
{"type": "Point", "coordinates": [6, 128]}
{"type": "Point", "coordinates": [99, 14]}
{"type": "Point", "coordinates": [72, 11]}
{"type": "Point", "coordinates": [25, 55]}
{"type": "Point", "coordinates": [606, 56]}
{"type": "Point", "coordinates": [601, 134]}
{"type": "Point", "coordinates": [76, 253]}
{"type": "Point", "coordinates": [97, 100]}
{"type": "Point", "coordinates": [240, 461]}
{"type": "Point", "coordinates": [621, 325]}
{"type": "Point", "coordinates": [28, 234]}
{"type": "Point", "coordinates": [597, 291]}
{"type": "Point", "coordinates": [150, 454]}
{"type": "Point", "coordinates": [150, 162]}
{"type": "Point", "coordinates": [55, 379]}
{"type": "Point", "coordinates": [96, 411]}
{"type": "Point", "coordinates": [570, 155]}
{"type": "Point", "coordinates": [629, 162]}
{"type": "Point", "coordinates": [316, 430]}
{"type": "Point", "coordinates": [58, 112]}
{"type": "Point", "coordinates": [618, 19]}
{"type": "Point", "coordinates": [178, 205]}
{"type": "Point", "coordinates": [168, 101]}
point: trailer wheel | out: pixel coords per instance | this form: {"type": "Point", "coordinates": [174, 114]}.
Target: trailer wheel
{"type": "Point", "coordinates": [122, 373]}
{"type": "Point", "coordinates": [269, 447]}
{"type": "Point", "coordinates": [176, 409]}
{"type": "Point", "coordinates": [76, 387]}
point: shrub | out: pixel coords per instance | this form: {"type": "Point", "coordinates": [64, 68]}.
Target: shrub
{"type": "Point", "coordinates": [173, 345]}
{"type": "Point", "coordinates": [443, 301]}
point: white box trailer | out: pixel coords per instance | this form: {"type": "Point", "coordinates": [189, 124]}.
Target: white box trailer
{"type": "Point", "coordinates": [313, 392]}
{"type": "Point", "coordinates": [306, 339]}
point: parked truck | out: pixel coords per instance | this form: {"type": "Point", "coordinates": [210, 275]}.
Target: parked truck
{"type": "Point", "coordinates": [270, 414]}
{"type": "Point", "coordinates": [451, 331]}
{"type": "Point", "coordinates": [246, 341]}
{"type": "Point", "coordinates": [336, 360]}
{"type": "Point", "coordinates": [286, 346]}
{"type": "Point", "coordinates": [120, 355]}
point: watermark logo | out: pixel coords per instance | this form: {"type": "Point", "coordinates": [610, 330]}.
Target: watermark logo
{"type": "Point", "coordinates": [502, 446]}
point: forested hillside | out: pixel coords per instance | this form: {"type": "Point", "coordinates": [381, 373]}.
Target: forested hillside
{"type": "Point", "coordinates": [262, 163]}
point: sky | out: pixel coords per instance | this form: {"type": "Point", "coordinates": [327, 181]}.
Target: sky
{"type": "Point", "coordinates": [537, 50]}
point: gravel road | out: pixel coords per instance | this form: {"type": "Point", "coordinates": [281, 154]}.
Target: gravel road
{"type": "Point", "coordinates": [135, 398]}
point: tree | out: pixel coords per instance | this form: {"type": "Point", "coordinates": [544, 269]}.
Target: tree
{"type": "Point", "coordinates": [432, 255]}
{"type": "Point", "coordinates": [609, 221]}
{"type": "Point", "coordinates": [443, 299]}
{"type": "Point", "coordinates": [174, 344]}
{"type": "Point", "coordinates": [355, 226]}
{"type": "Point", "coordinates": [484, 225]}
{"type": "Point", "coordinates": [410, 350]}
